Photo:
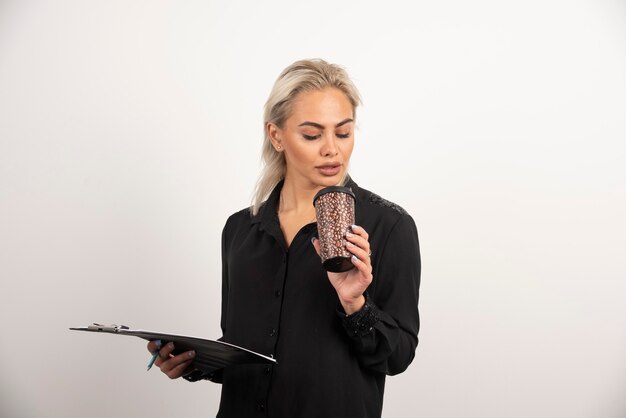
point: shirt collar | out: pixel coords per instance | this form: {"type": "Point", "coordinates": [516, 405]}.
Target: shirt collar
{"type": "Point", "coordinates": [268, 212]}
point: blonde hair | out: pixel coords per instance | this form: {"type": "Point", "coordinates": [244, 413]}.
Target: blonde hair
{"type": "Point", "coordinates": [301, 76]}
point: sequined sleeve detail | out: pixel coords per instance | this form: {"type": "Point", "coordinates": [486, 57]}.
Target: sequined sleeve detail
{"type": "Point", "coordinates": [361, 322]}
{"type": "Point", "coordinates": [196, 375]}
{"type": "Point", "coordinates": [377, 200]}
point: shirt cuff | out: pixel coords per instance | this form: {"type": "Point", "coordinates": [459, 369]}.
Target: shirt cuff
{"type": "Point", "coordinates": [361, 322]}
{"type": "Point", "coordinates": [196, 375]}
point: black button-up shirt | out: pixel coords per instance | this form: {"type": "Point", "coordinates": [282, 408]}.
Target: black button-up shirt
{"type": "Point", "coordinates": [278, 301]}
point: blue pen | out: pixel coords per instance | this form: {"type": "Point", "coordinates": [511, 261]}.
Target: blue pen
{"type": "Point", "coordinates": [154, 355]}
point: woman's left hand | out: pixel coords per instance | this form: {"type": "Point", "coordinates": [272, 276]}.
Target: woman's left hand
{"type": "Point", "coordinates": [350, 285]}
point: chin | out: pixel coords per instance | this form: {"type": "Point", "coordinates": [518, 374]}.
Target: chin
{"type": "Point", "coordinates": [331, 181]}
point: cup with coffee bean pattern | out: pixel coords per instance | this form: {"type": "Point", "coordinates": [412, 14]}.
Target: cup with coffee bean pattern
{"type": "Point", "coordinates": [334, 208]}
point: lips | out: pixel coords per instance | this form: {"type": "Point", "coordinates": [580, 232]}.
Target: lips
{"type": "Point", "coordinates": [329, 169]}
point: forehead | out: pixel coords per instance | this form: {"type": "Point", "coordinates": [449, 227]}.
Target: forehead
{"type": "Point", "coordinates": [327, 106]}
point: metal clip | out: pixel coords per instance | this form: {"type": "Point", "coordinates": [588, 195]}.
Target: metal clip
{"type": "Point", "coordinates": [107, 328]}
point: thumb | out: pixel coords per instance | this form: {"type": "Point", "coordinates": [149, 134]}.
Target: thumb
{"type": "Point", "coordinates": [316, 245]}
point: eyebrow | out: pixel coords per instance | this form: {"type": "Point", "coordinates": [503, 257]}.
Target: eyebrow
{"type": "Point", "coordinates": [317, 125]}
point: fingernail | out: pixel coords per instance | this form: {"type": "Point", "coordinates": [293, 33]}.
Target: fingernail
{"type": "Point", "coordinates": [349, 244]}
{"type": "Point", "coordinates": [354, 258]}
{"type": "Point", "coordinates": [349, 234]}
{"type": "Point", "coordinates": [192, 354]}
{"type": "Point", "coordinates": [354, 227]}
{"type": "Point", "coordinates": [171, 345]}
{"type": "Point", "coordinates": [158, 343]}
{"type": "Point", "coordinates": [312, 239]}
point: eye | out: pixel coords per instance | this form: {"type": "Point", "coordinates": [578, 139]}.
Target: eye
{"type": "Point", "coordinates": [344, 136]}
{"type": "Point", "coordinates": [310, 137]}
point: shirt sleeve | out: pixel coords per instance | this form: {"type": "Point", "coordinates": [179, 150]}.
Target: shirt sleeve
{"type": "Point", "coordinates": [384, 332]}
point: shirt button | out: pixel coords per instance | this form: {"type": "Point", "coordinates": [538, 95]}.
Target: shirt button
{"type": "Point", "coordinates": [272, 332]}
{"type": "Point", "coordinates": [278, 293]}
{"type": "Point", "coordinates": [268, 369]}
{"type": "Point", "coordinates": [261, 406]}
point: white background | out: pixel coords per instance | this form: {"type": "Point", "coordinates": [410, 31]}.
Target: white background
{"type": "Point", "coordinates": [130, 130]}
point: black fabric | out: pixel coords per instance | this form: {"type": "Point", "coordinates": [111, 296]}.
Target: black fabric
{"type": "Point", "coordinates": [279, 302]}
{"type": "Point", "coordinates": [361, 322]}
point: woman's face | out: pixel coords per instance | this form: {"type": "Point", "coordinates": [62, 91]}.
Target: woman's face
{"type": "Point", "coordinates": [317, 138]}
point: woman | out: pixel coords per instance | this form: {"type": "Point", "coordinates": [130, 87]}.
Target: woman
{"type": "Point", "coordinates": [335, 335]}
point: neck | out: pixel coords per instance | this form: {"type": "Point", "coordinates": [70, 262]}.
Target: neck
{"type": "Point", "coordinates": [298, 198]}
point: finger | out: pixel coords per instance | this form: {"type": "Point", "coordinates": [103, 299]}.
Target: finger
{"type": "Point", "coordinates": [316, 245]}
{"type": "Point", "coordinates": [359, 231]}
{"type": "Point", "coordinates": [359, 241]}
{"type": "Point", "coordinates": [174, 362]}
{"type": "Point", "coordinates": [362, 267]}
{"type": "Point", "coordinates": [179, 370]}
{"type": "Point", "coordinates": [167, 349]}
{"type": "Point", "coordinates": [164, 354]}
{"type": "Point", "coordinates": [360, 254]}
{"type": "Point", "coordinates": [154, 346]}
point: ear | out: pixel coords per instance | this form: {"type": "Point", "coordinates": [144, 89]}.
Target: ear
{"type": "Point", "coordinates": [274, 134]}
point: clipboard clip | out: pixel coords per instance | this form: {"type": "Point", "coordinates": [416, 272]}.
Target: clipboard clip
{"type": "Point", "coordinates": [107, 328]}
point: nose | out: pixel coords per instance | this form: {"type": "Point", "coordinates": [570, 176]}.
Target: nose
{"type": "Point", "coordinates": [329, 145]}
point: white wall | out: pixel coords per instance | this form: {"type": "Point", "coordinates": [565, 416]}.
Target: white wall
{"type": "Point", "coordinates": [129, 130]}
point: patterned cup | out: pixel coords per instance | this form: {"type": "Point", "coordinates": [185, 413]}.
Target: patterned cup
{"type": "Point", "coordinates": [334, 208]}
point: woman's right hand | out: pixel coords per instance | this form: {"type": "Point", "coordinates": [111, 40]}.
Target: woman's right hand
{"type": "Point", "coordinates": [172, 365]}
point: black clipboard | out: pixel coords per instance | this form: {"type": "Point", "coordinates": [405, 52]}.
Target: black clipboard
{"type": "Point", "coordinates": [211, 355]}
